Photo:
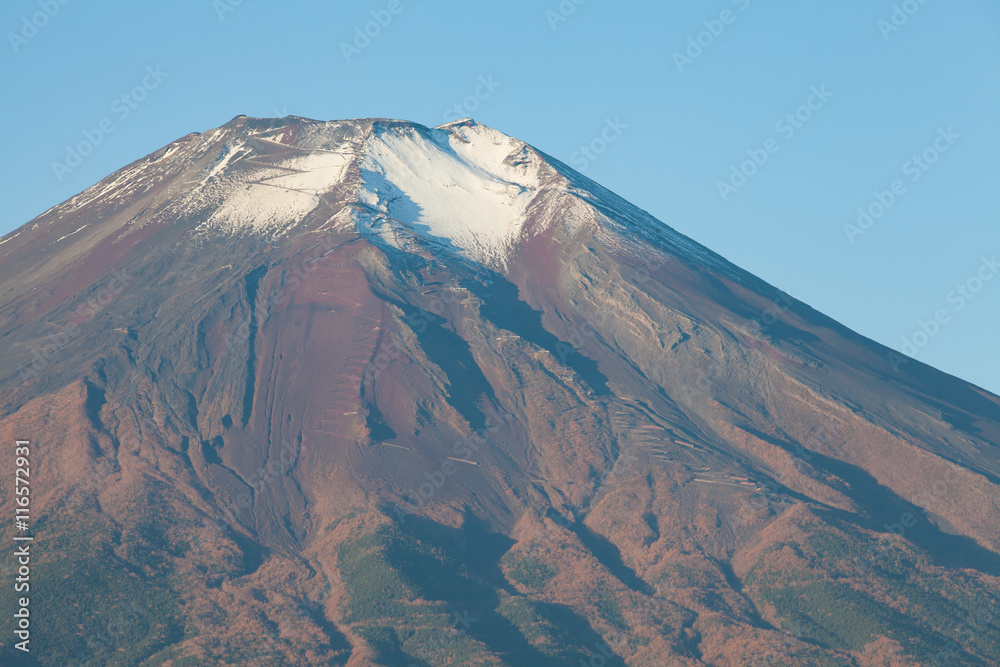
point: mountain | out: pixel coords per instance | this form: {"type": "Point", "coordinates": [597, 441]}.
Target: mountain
{"type": "Point", "coordinates": [366, 392]}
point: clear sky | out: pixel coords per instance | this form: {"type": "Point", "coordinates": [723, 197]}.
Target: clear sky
{"type": "Point", "coordinates": [688, 92]}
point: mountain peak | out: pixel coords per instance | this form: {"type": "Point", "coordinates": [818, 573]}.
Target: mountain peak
{"type": "Point", "coordinates": [463, 184]}
{"type": "Point", "coordinates": [454, 123]}
{"type": "Point", "coordinates": [461, 187]}
{"type": "Point", "coordinates": [267, 358]}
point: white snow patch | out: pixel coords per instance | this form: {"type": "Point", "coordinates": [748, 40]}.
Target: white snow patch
{"type": "Point", "coordinates": [70, 234]}
{"type": "Point", "coordinates": [449, 185]}
{"type": "Point", "coordinates": [315, 173]}
{"type": "Point", "coordinates": [221, 164]}
{"type": "Point", "coordinates": [11, 238]}
{"type": "Point", "coordinates": [278, 195]}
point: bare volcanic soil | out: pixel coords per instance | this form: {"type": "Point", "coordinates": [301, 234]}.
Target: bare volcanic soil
{"type": "Point", "coordinates": [370, 393]}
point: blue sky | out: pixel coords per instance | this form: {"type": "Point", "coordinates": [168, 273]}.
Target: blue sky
{"type": "Point", "coordinates": [695, 90]}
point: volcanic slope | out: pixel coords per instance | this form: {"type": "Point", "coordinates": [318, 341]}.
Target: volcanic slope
{"type": "Point", "coordinates": [370, 393]}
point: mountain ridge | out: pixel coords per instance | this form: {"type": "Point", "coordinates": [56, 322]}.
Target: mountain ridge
{"type": "Point", "coordinates": [333, 349]}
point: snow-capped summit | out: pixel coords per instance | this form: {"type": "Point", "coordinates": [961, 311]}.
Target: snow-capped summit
{"type": "Point", "coordinates": [463, 184]}
{"type": "Point", "coordinates": [268, 358]}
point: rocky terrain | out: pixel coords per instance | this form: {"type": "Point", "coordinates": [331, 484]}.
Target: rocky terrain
{"type": "Point", "coordinates": [370, 393]}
